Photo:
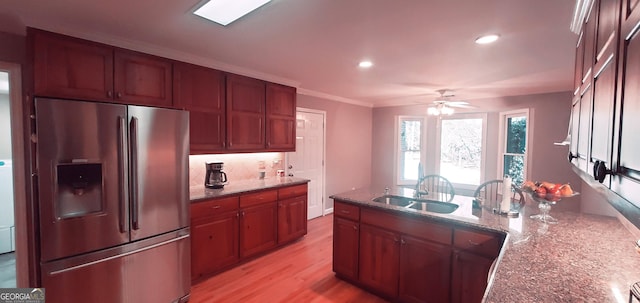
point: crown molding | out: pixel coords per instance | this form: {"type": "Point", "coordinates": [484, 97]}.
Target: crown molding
{"type": "Point", "coordinates": [579, 13]}
{"type": "Point", "coordinates": [313, 93]}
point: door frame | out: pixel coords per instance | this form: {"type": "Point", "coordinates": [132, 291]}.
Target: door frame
{"type": "Point", "coordinates": [324, 156]}
{"type": "Point", "coordinates": [19, 156]}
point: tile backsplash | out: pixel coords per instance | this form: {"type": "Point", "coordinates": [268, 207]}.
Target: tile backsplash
{"type": "Point", "coordinates": [236, 166]}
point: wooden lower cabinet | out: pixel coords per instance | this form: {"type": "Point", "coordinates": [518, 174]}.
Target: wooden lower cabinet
{"type": "Point", "coordinates": [292, 219]}
{"type": "Point", "coordinates": [229, 230]}
{"type": "Point", "coordinates": [214, 245]}
{"type": "Point", "coordinates": [424, 263]}
{"type": "Point", "coordinates": [379, 259]}
{"type": "Point", "coordinates": [258, 229]}
{"type": "Point", "coordinates": [410, 259]}
{"type": "Point", "coordinates": [469, 276]}
{"type": "Point", "coordinates": [345, 247]}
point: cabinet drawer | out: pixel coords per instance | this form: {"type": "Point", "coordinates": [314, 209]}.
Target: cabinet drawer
{"type": "Point", "coordinates": [258, 198]}
{"type": "Point", "coordinates": [292, 191]}
{"type": "Point", "coordinates": [213, 207]}
{"type": "Point", "coordinates": [408, 225]}
{"type": "Point", "coordinates": [346, 211]}
{"type": "Point", "coordinates": [478, 242]}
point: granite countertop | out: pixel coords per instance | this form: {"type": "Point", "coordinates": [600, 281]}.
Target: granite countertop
{"type": "Point", "coordinates": [199, 193]}
{"type": "Point", "coordinates": [582, 258]}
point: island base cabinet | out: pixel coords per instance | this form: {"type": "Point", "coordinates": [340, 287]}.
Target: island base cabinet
{"type": "Point", "coordinates": [469, 277]}
{"type": "Point", "coordinates": [379, 260]}
{"type": "Point", "coordinates": [345, 248]}
{"type": "Point", "coordinates": [214, 245]}
{"type": "Point", "coordinates": [424, 271]}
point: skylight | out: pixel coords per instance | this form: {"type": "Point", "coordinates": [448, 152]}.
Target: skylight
{"type": "Point", "coordinates": [226, 11]}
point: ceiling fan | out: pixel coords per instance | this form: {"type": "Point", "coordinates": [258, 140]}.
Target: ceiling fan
{"type": "Point", "coordinates": [444, 106]}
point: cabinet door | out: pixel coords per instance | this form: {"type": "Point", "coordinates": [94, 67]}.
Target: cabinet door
{"type": "Point", "coordinates": [66, 67]}
{"type": "Point", "coordinates": [201, 91]}
{"type": "Point", "coordinates": [345, 247]}
{"type": "Point", "coordinates": [281, 117]}
{"type": "Point", "coordinates": [142, 79]}
{"type": "Point", "coordinates": [627, 166]}
{"type": "Point", "coordinates": [214, 245]}
{"type": "Point", "coordinates": [604, 86]}
{"type": "Point", "coordinates": [292, 219]}
{"type": "Point", "coordinates": [379, 259]}
{"type": "Point", "coordinates": [258, 229]}
{"type": "Point", "coordinates": [245, 114]}
{"type": "Point", "coordinates": [584, 125]}
{"type": "Point", "coordinates": [469, 276]}
{"type": "Point", "coordinates": [424, 271]}
{"type": "Point", "coordinates": [588, 35]}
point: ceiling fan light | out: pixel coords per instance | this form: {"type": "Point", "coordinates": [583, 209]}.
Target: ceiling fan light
{"type": "Point", "coordinates": [433, 111]}
{"type": "Point", "coordinates": [447, 110]}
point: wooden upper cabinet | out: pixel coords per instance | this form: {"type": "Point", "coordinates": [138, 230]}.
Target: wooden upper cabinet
{"type": "Point", "coordinates": [71, 68]}
{"type": "Point", "coordinates": [588, 35]}
{"type": "Point", "coordinates": [142, 79]}
{"type": "Point", "coordinates": [201, 91]}
{"type": "Point", "coordinates": [281, 117]}
{"type": "Point", "coordinates": [608, 12]}
{"type": "Point", "coordinates": [66, 67]}
{"type": "Point", "coordinates": [627, 163]}
{"type": "Point", "coordinates": [579, 60]}
{"type": "Point", "coordinates": [245, 113]}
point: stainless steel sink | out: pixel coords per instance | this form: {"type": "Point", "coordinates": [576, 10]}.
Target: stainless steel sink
{"type": "Point", "coordinates": [394, 200]}
{"type": "Point", "coordinates": [434, 206]}
{"type": "Point", "coordinates": [431, 206]}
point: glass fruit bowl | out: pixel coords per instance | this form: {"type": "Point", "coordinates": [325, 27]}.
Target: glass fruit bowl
{"type": "Point", "coordinates": [544, 204]}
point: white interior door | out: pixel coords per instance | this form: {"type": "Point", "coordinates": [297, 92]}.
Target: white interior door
{"type": "Point", "coordinates": [308, 160]}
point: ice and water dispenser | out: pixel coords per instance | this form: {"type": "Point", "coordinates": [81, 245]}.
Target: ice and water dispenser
{"type": "Point", "coordinates": [78, 189]}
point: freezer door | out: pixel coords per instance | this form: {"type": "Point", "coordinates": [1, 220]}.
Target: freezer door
{"type": "Point", "coordinates": [159, 156]}
{"type": "Point", "coordinates": [82, 177]}
{"type": "Point", "coordinates": [152, 270]}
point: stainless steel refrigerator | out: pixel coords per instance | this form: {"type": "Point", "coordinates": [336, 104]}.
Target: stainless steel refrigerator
{"type": "Point", "coordinates": [113, 202]}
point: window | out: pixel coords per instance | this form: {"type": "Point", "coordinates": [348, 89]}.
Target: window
{"type": "Point", "coordinates": [513, 147]}
{"type": "Point", "coordinates": [461, 142]}
{"type": "Point", "coordinates": [409, 143]}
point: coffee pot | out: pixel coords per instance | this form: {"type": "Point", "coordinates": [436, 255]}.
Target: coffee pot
{"type": "Point", "coordinates": [215, 177]}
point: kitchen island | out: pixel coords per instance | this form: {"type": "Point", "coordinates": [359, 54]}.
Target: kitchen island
{"type": "Point", "coordinates": [582, 258]}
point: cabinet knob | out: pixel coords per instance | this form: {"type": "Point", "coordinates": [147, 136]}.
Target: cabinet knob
{"type": "Point", "coordinates": [570, 156]}
{"type": "Point", "coordinates": [474, 243]}
{"type": "Point", "coordinates": [290, 166]}
{"type": "Point", "coordinates": [119, 95]}
{"type": "Point", "coordinates": [403, 242]}
{"type": "Point", "coordinates": [110, 94]}
{"type": "Point", "coordinates": [290, 175]}
{"type": "Point", "coordinates": [600, 171]}
{"type": "Point", "coordinates": [355, 227]}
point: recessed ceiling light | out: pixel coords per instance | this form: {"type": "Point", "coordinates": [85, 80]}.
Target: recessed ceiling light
{"type": "Point", "coordinates": [487, 39]}
{"type": "Point", "coordinates": [227, 11]}
{"type": "Point", "coordinates": [365, 64]}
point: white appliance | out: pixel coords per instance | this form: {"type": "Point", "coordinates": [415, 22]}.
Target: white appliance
{"type": "Point", "coordinates": [7, 241]}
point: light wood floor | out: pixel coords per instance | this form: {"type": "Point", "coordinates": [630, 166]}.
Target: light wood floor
{"type": "Point", "coordinates": [299, 272]}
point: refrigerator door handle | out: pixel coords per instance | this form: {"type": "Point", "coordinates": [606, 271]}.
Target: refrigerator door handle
{"type": "Point", "coordinates": [122, 145]}
{"type": "Point", "coordinates": [133, 144]}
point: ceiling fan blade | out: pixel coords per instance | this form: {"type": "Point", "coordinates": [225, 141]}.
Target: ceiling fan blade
{"type": "Point", "coordinates": [460, 105]}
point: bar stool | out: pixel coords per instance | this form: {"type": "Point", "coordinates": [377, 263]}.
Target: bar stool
{"type": "Point", "coordinates": [634, 292]}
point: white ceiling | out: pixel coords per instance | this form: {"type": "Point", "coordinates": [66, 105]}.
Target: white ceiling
{"type": "Point", "coordinates": [417, 46]}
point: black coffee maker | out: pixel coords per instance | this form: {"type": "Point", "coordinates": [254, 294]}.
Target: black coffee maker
{"type": "Point", "coordinates": [215, 177]}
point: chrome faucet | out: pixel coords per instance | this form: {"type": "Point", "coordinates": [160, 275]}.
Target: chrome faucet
{"type": "Point", "coordinates": [386, 191]}
{"type": "Point", "coordinates": [418, 193]}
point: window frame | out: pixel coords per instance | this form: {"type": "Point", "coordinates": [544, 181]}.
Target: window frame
{"type": "Point", "coordinates": [502, 143]}
{"type": "Point", "coordinates": [483, 161]}
{"type": "Point", "coordinates": [423, 135]}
